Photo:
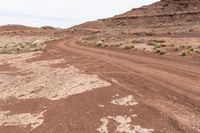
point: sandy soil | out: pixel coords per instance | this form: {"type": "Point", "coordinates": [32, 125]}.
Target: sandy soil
{"type": "Point", "coordinates": [16, 44]}
{"type": "Point", "coordinates": [73, 88]}
{"type": "Point", "coordinates": [21, 120]}
{"type": "Point", "coordinates": [138, 72]}
{"type": "Point", "coordinates": [42, 81]}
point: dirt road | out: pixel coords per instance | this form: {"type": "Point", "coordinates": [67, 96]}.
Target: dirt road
{"type": "Point", "coordinates": [140, 92]}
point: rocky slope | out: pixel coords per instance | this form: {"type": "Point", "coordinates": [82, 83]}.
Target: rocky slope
{"type": "Point", "coordinates": [165, 27]}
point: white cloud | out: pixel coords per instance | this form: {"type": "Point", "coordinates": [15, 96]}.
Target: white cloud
{"type": "Point", "coordinates": [62, 13]}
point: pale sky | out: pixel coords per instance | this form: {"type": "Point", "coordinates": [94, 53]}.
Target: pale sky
{"type": "Point", "coordinates": [62, 13]}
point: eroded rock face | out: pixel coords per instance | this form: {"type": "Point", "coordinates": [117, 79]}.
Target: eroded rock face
{"type": "Point", "coordinates": [184, 3]}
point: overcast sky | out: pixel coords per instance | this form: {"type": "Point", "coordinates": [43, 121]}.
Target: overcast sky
{"type": "Point", "coordinates": [62, 13]}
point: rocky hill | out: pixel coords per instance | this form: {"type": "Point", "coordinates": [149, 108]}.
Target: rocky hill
{"type": "Point", "coordinates": [163, 27]}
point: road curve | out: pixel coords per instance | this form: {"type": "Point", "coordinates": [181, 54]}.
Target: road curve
{"type": "Point", "coordinates": [143, 92]}
{"type": "Point", "coordinates": [180, 77]}
{"type": "Point", "coordinates": [168, 84]}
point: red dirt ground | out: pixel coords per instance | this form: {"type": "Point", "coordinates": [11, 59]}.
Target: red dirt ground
{"type": "Point", "coordinates": [166, 89]}
{"type": "Point", "coordinates": [147, 92]}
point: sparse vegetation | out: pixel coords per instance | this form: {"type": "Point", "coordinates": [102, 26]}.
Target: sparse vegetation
{"type": "Point", "coordinates": [103, 39]}
{"type": "Point", "coordinates": [161, 52]}
{"type": "Point", "coordinates": [186, 50]}
{"type": "Point", "coordinates": [197, 51]}
{"type": "Point", "coordinates": [158, 50]}
{"type": "Point", "coordinates": [189, 47]}
{"type": "Point", "coordinates": [129, 47]}
{"type": "Point", "coordinates": [191, 30]}
{"type": "Point", "coordinates": [4, 51]}
{"type": "Point", "coordinates": [169, 33]}
{"type": "Point", "coordinates": [26, 46]}
{"type": "Point", "coordinates": [82, 42]}
{"type": "Point", "coordinates": [157, 46]}
{"type": "Point", "coordinates": [105, 46]}
{"type": "Point", "coordinates": [184, 53]}
{"type": "Point", "coordinates": [158, 41]}
{"type": "Point", "coordinates": [100, 43]}
{"type": "Point", "coordinates": [118, 45]}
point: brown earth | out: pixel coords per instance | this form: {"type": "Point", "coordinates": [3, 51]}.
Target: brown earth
{"type": "Point", "coordinates": [166, 89]}
{"type": "Point", "coordinates": [166, 27]}
{"type": "Point", "coordinates": [22, 30]}
{"type": "Point", "coordinates": [109, 83]}
{"type": "Point", "coordinates": [17, 39]}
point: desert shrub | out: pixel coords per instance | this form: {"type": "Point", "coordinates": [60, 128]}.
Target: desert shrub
{"type": "Point", "coordinates": [112, 45]}
{"type": "Point", "coordinates": [189, 47]}
{"type": "Point", "coordinates": [178, 8]}
{"type": "Point", "coordinates": [151, 44]}
{"type": "Point", "coordinates": [103, 39]}
{"type": "Point", "coordinates": [191, 30]}
{"type": "Point", "coordinates": [18, 49]}
{"type": "Point", "coordinates": [169, 33]}
{"type": "Point", "coordinates": [157, 46]}
{"type": "Point", "coordinates": [36, 49]}
{"type": "Point", "coordinates": [83, 42]}
{"type": "Point", "coordinates": [129, 47]}
{"type": "Point", "coordinates": [22, 46]}
{"type": "Point", "coordinates": [158, 41]}
{"type": "Point", "coordinates": [123, 32]}
{"type": "Point", "coordinates": [100, 43]}
{"type": "Point", "coordinates": [163, 45]}
{"type": "Point", "coordinates": [197, 51]}
{"type": "Point", "coordinates": [4, 51]}
{"type": "Point", "coordinates": [117, 45]}
{"type": "Point", "coordinates": [105, 45]}
{"type": "Point", "coordinates": [182, 47]}
{"type": "Point", "coordinates": [184, 53]}
{"type": "Point", "coordinates": [158, 50]}
{"type": "Point", "coordinates": [162, 52]}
